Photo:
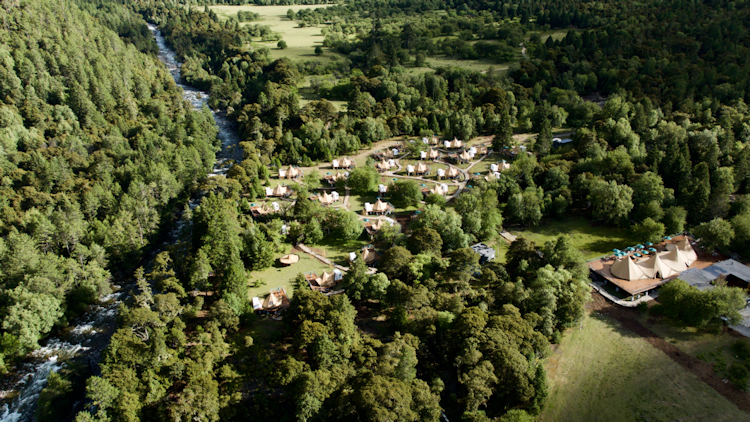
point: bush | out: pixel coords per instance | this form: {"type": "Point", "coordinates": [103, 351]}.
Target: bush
{"type": "Point", "coordinates": [738, 375]}
{"type": "Point", "coordinates": [281, 45]}
{"type": "Point", "coordinates": [741, 350]}
{"type": "Point", "coordinates": [318, 50]}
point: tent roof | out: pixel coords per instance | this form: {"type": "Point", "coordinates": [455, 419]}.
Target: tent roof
{"type": "Point", "coordinates": [626, 269]}
{"type": "Point", "coordinates": [369, 255]}
{"type": "Point", "coordinates": [380, 206]}
{"type": "Point", "coordinates": [676, 259]}
{"type": "Point", "coordinates": [289, 259]}
{"type": "Point", "coordinates": [421, 168]}
{"type": "Point", "coordinates": [326, 280]}
{"type": "Point", "coordinates": [452, 172]}
{"type": "Point", "coordinates": [325, 198]}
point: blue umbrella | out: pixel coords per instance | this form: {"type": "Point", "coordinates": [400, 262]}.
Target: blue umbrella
{"type": "Point", "coordinates": [645, 252]}
{"type": "Point", "coordinates": [649, 244]}
{"type": "Point", "coordinates": [615, 250]}
{"type": "Point", "coordinates": [637, 254]}
{"type": "Point", "coordinates": [639, 246]}
{"type": "Point", "coordinates": [652, 249]}
{"type": "Point", "coordinates": [630, 248]}
{"type": "Point", "coordinates": [667, 238]}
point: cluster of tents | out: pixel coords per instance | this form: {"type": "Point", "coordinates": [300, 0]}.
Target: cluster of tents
{"type": "Point", "coordinates": [676, 259]}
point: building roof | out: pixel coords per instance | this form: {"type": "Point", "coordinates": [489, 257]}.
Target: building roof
{"type": "Point", "coordinates": [701, 279]}
{"type": "Point", "coordinates": [485, 251]}
{"type": "Point", "coordinates": [452, 172]}
{"type": "Point", "coordinates": [422, 168]}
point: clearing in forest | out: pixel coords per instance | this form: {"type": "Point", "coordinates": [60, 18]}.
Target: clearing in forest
{"type": "Point", "coordinates": [602, 372]}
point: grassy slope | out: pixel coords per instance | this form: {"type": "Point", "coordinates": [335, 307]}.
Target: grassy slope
{"type": "Point", "coordinates": [592, 240]}
{"type": "Point", "coordinates": [602, 373]}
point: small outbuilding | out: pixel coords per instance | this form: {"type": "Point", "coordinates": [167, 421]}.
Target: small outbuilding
{"type": "Point", "coordinates": [486, 253]}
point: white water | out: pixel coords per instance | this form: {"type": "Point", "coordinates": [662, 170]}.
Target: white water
{"type": "Point", "coordinates": [91, 335]}
{"type": "Point", "coordinates": [230, 149]}
{"type": "Point", "coordinates": [88, 336]}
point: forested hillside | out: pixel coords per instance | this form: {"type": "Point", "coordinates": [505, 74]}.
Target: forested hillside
{"type": "Point", "coordinates": [99, 151]}
{"type": "Point", "coordinates": [95, 143]}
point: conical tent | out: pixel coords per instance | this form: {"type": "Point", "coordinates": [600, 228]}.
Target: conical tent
{"type": "Point", "coordinates": [325, 198]}
{"type": "Point", "coordinates": [676, 259]}
{"type": "Point", "coordinates": [465, 156]}
{"type": "Point", "coordinates": [421, 168]}
{"type": "Point", "coordinates": [626, 269]}
{"type": "Point", "coordinates": [346, 163]}
{"type": "Point", "coordinates": [452, 172]}
{"type": "Point", "coordinates": [326, 280]}
{"type": "Point", "coordinates": [280, 190]}
{"type": "Point", "coordinates": [436, 190]}
{"type": "Point", "coordinates": [380, 206]}
{"type": "Point", "coordinates": [688, 250]}
{"type": "Point", "coordinates": [293, 172]}
{"type": "Point", "coordinates": [433, 154]}
{"type": "Point", "coordinates": [655, 267]}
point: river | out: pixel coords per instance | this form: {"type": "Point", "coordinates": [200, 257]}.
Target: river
{"type": "Point", "coordinates": [92, 331]}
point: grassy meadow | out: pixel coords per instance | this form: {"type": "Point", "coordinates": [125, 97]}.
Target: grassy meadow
{"type": "Point", "coordinates": [601, 372]}
{"type": "Point", "coordinates": [590, 239]}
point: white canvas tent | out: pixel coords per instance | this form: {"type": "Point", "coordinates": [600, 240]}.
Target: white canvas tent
{"type": "Point", "coordinates": [676, 259]}
{"type": "Point", "coordinates": [452, 172]}
{"type": "Point", "coordinates": [440, 173]}
{"type": "Point", "coordinates": [422, 168]}
{"type": "Point", "coordinates": [434, 154]}
{"type": "Point", "coordinates": [686, 248]}
{"type": "Point", "coordinates": [422, 155]}
{"type": "Point", "coordinates": [655, 267]}
{"type": "Point", "coordinates": [626, 269]}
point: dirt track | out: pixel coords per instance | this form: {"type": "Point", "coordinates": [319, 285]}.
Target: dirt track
{"type": "Point", "coordinates": [703, 370]}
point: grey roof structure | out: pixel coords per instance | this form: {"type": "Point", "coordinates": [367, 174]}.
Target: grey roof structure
{"type": "Point", "coordinates": [701, 279]}
{"type": "Point", "coordinates": [485, 252]}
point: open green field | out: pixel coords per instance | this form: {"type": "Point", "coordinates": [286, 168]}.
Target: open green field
{"type": "Point", "coordinates": [602, 373]}
{"type": "Point", "coordinates": [591, 240]}
{"type": "Point", "coordinates": [300, 42]}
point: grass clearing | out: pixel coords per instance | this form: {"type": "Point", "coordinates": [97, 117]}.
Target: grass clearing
{"type": "Point", "coordinates": [707, 346]}
{"type": "Point", "coordinates": [300, 42]}
{"type": "Point", "coordinates": [591, 240]}
{"type": "Point", "coordinates": [603, 373]}
{"type": "Point", "coordinates": [280, 276]}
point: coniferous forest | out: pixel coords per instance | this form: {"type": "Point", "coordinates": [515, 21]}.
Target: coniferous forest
{"type": "Point", "coordinates": [104, 186]}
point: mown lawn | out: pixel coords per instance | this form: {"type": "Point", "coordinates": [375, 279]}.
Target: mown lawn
{"type": "Point", "coordinates": [601, 372]}
{"type": "Point", "coordinates": [592, 240]}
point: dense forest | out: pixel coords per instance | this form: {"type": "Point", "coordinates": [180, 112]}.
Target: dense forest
{"type": "Point", "coordinates": [100, 154]}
